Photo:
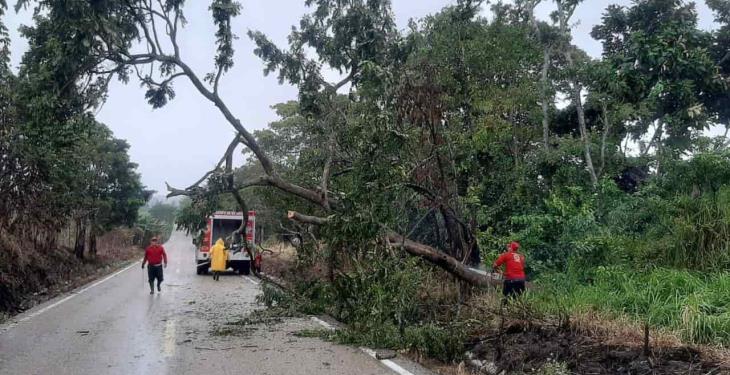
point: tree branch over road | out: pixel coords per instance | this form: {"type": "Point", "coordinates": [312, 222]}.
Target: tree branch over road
{"type": "Point", "coordinates": [358, 52]}
{"type": "Point", "coordinates": [428, 253]}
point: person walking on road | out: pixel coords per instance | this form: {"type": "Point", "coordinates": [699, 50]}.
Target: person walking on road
{"type": "Point", "coordinates": [154, 255]}
{"type": "Point", "coordinates": [514, 273]}
{"type": "Point", "coordinates": [218, 258]}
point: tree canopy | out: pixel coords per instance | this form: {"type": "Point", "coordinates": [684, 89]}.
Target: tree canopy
{"type": "Point", "coordinates": [438, 124]}
{"type": "Point", "coordinates": [60, 165]}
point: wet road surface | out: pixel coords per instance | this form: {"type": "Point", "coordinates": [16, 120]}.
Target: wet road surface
{"type": "Point", "coordinates": [113, 326]}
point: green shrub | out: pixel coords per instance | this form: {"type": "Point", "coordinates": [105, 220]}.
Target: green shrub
{"type": "Point", "coordinates": [378, 291]}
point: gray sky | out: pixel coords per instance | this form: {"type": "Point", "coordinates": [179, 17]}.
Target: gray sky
{"type": "Point", "coordinates": [181, 141]}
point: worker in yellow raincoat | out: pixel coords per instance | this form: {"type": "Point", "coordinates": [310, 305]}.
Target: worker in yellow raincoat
{"type": "Point", "coordinates": [218, 258]}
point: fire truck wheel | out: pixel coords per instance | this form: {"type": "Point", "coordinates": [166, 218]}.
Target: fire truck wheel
{"type": "Point", "coordinates": [245, 268]}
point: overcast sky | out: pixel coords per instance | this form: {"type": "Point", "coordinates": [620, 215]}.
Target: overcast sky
{"type": "Point", "coordinates": [181, 141]}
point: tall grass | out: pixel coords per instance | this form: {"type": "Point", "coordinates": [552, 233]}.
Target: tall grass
{"type": "Point", "coordinates": [695, 306]}
{"type": "Point", "coordinates": [700, 232]}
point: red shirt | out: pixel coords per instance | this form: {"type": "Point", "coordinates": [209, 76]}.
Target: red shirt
{"type": "Point", "coordinates": [514, 264]}
{"type": "Point", "coordinates": [154, 254]}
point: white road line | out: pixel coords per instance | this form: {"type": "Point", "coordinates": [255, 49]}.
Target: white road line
{"type": "Point", "coordinates": [249, 278]}
{"type": "Point", "coordinates": [169, 347]}
{"type": "Point", "coordinates": [388, 363]}
{"type": "Point", "coordinates": [36, 313]}
{"type": "Point", "coordinates": [73, 294]}
{"type": "Point", "coordinates": [395, 367]}
{"type": "Point", "coordinates": [323, 323]}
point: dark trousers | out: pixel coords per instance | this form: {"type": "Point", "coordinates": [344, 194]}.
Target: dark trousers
{"type": "Point", "coordinates": [154, 272]}
{"type": "Point", "coordinates": [513, 288]}
{"type": "Point", "coordinates": [216, 275]}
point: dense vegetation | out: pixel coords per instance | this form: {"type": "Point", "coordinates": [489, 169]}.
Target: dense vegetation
{"type": "Point", "coordinates": [59, 164]}
{"type": "Point", "coordinates": [65, 180]}
{"type": "Point", "coordinates": [619, 193]}
{"type": "Point", "coordinates": [461, 133]}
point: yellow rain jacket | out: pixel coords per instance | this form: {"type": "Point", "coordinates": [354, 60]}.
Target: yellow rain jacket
{"type": "Point", "coordinates": [218, 256]}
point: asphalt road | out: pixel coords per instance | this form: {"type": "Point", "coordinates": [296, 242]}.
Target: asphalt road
{"type": "Point", "coordinates": [113, 326]}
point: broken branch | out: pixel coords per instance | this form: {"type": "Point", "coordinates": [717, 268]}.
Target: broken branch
{"type": "Point", "coordinates": [439, 258]}
{"type": "Point", "coordinates": [307, 219]}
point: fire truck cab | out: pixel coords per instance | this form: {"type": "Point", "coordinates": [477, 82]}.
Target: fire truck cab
{"type": "Point", "coordinates": [222, 224]}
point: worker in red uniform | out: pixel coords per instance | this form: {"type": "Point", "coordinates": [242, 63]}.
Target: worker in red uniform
{"type": "Point", "coordinates": [154, 255]}
{"type": "Point", "coordinates": [514, 273]}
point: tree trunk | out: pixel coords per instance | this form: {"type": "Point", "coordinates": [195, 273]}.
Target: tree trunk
{"type": "Point", "coordinates": [436, 227]}
{"type": "Point", "coordinates": [439, 258]}
{"type": "Point", "coordinates": [659, 155]}
{"type": "Point", "coordinates": [443, 260]}
{"type": "Point", "coordinates": [545, 94]}
{"type": "Point", "coordinates": [606, 130]}
{"type": "Point", "coordinates": [92, 239]}
{"type": "Point", "coordinates": [544, 86]}
{"type": "Point", "coordinates": [565, 11]}
{"type": "Point", "coordinates": [52, 239]}
{"type": "Point", "coordinates": [331, 263]}
{"type": "Point", "coordinates": [463, 243]}
{"type": "Point", "coordinates": [578, 102]}
{"type": "Point", "coordinates": [79, 241]}
{"type": "Point", "coordinates": [87, 234]}
{"type": "Point", "coordinates": [453, 229]}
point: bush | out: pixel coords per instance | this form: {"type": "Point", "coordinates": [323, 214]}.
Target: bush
{"type": "Point", "coordinates": [378, 291]}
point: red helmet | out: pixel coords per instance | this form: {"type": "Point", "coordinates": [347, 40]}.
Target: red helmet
{"type": "Point", "coordinates": [514, 245]}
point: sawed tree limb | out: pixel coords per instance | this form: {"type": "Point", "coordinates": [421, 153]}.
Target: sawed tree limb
{"type": "Point", "coordinates": [435, 256]}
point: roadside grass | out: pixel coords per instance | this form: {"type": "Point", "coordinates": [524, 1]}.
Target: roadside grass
{"type": "Point", "coordinates": [693, 306]}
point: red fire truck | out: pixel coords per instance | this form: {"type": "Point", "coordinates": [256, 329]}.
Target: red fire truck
{"type": "Point", "coordinates": [222, 224]}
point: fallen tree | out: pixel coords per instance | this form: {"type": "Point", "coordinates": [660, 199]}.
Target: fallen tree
{"type": "Point", "coordinates": [435, 256]}
{"type": "Point", "coordinates": [150, 50]}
